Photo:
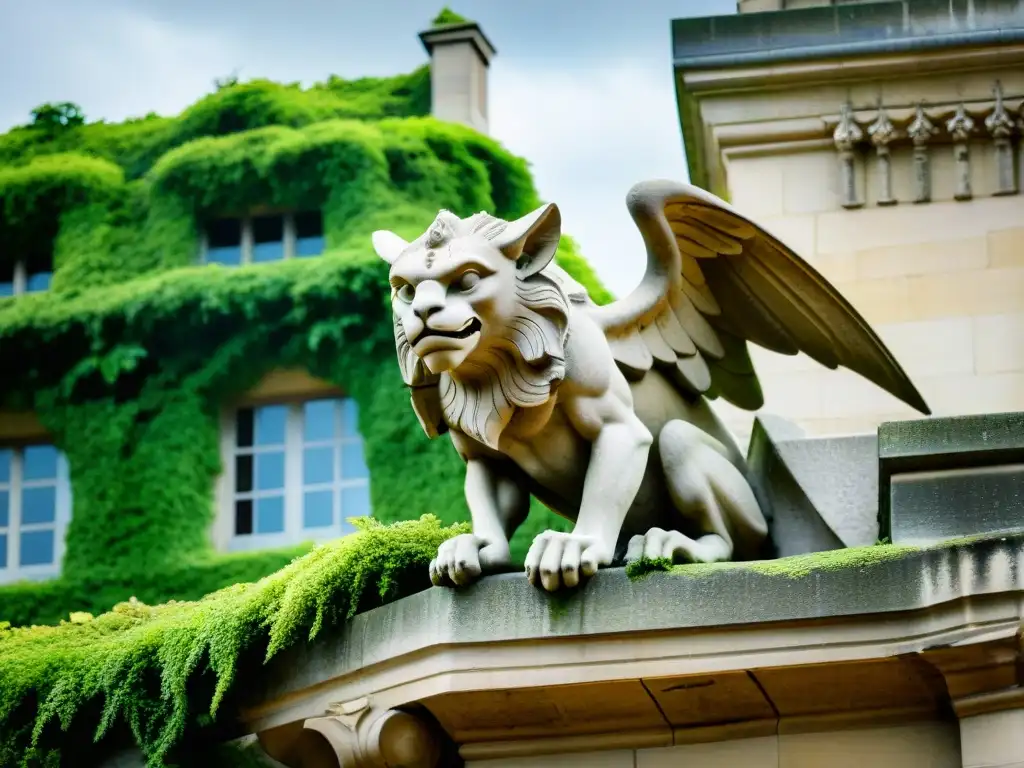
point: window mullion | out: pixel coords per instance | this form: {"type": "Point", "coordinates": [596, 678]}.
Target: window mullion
{"type": "Point", "coordinates": [20, 281]}
{"type": "Point", "coordinates": [288, 234]}
{"type": "Point", "coordinates": [247, 240]}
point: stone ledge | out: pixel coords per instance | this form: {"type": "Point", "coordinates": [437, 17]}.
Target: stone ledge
{"type": "Point", "coordinates": [441, 633]}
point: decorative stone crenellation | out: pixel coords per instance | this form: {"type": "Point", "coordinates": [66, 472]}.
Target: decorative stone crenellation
{"type": "Point", "coordinates": [958, 125]}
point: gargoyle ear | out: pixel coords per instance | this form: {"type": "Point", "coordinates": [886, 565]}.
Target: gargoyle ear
{"type": "Point", "coordinates": [532, 239]}
{"type": "Point", "coordinates": [388, 245]}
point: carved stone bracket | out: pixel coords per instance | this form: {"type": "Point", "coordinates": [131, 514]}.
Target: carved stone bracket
{"type": "Point", "coordinates": [920, 131]}
{"type": "Point", "coordinates": [883, 133]}
{"type": "Point", "coordinates": [354, 734]}
{"type": "Point", "coordinates": [960, 127]}
{"type": "Point", "coordinates": [846, 137]}
{"type": "Point", "coordinates": [1001, 127]}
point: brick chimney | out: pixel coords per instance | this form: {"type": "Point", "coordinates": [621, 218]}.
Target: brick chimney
{"type": "Point", "coordinates": [460, 55]}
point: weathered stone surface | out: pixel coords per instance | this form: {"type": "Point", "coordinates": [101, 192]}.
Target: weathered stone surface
{"type": "Point", "coordinates": [949, 477]}
{"type": "Point", "coordinates": [506, 607]}
{"type": "Point", "coordinates": [823, 490]}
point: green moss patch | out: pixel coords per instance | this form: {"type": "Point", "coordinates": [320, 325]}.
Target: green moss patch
{"type": "Point", "coordinates": [793, 567]}
{"type": "Point", "coordinates": [163, 677]}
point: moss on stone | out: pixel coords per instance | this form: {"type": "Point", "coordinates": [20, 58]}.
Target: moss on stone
{"type": "Point", "coordinates": [793, 567]}
{"type": "Point", "coordinates": [447, 17]}
{"type": "Point", "coordinates": [163, 677]}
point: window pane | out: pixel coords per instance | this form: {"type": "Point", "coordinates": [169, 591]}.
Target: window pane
{"type": "Point", "coordinates": [353, 465]}
{"type": "Point", "coordinates": [268, 238]}
{"type": "Point", "coordinates": [309, 224]}
{"type": "Point", "coordinates": [309, 246]}
{"type": "Point", "coordinates": [270, 424]}
{"type": "Point", "coordinates": [5, 507]}
{"type": "Point", "coordinates": [38, 505]}
{"type": "Point", "coordinates": [224, 242]}
{"type": "Point", "coordinates": [40, 462]}
{"type": "Point", "coordinates": [355, 502]}
{"type": "Point", "coordinates": [318, 509]}
{"type": "Point", "coordinates": [243, 473]}
{"type": "Point", "coordinates": [318, 420]}
{"type": "Point", "coordinates": [5, 465]}
{"type": "Point", "coordinates": [3, 550]}
{"type": "Point", "coordinates": [243, 517]}
{"type": "Point", "coordinates": [40, 281]}
{"type": "Point", "coordinates": [37, 548]}
{"type": "Point", "coordinates": [349, 418]}
{"type": "Point", "coordinates": [268, 229]}
{"type": "Point", "coordinates": [270, 515]}
{"type": "Point", "coordinates": [243, 428]}
{"type": "Point", "coordinates": [262, 252]}
{"type": "Point", "coordinates": [270, 471]}
{"type": "Point", "coordinates": [317, 465]}
{"type": "Point", "coordinates": [230, 256]}
{"type": "Point", "coordinates": [224, 233]}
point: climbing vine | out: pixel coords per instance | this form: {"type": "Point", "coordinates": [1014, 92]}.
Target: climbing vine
{"type": "Point", "coordinates": [132, 354]}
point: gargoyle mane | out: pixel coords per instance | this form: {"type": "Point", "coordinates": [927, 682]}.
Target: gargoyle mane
{"type": "Point", "coordinates": [517, 369]}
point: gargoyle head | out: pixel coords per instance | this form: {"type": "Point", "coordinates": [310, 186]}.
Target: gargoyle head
{"type": "Point", "coordinates": [470, 300]}
{"type": "Point", "coordinates": [457, 289]}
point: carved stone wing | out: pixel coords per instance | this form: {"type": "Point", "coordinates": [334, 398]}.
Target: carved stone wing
{"type": "Point", "coordinates": [715, 281]}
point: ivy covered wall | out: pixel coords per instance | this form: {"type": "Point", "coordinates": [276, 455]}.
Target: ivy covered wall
{"type": "Point", "coordinates": [130, 356]}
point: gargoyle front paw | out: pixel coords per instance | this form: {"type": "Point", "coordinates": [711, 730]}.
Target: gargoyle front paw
{"type": "Point", "coordinates": [658, 544]}
{"type": "Point", "coordinates": [558, 559]}
{"type": "Point", "coordinates": [462, 559]}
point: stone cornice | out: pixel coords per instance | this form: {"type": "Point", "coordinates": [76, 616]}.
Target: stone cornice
{"type": "Point", "coordinates": [502, 633]}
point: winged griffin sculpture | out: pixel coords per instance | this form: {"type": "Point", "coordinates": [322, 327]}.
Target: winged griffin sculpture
{"type": "Point", "coordinates": [602, 412]}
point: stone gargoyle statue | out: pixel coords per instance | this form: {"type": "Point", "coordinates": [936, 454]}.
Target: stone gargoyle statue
{"type": "Point", "coordinates": [602, 412]}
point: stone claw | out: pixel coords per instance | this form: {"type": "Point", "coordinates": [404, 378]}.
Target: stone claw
{"type": "Point", "coordinates": [462, 559]}
{"type": "Point", "coordinates": [557, 559]}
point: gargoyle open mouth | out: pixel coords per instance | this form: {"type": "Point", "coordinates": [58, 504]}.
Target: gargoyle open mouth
{"type": "Point", "coordinates": [471, 327]}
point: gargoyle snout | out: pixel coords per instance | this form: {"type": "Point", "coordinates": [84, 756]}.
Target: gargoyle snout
{"type": "Point", "coordinates": [429, 298]}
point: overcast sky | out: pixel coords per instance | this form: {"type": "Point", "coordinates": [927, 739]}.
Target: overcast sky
{"type": "Point", "coordinates": [581, 88]}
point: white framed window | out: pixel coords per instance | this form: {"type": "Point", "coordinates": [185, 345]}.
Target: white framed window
{"type": "Point", "coordinates": [296, 472]}
{"type": "Point", "coordinates": [35, 507]}
{"type": "Point", "coordinates": [258, 239]}
{"type": "Point", "coordinates": [25, 276]}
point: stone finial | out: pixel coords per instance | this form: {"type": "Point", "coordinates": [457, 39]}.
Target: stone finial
{"type": "Point", "coordinates": [961, 125]}
{"type": "Point", "coordinates": [847, 133]}
{"type": "Point", "coordinates": [882, 133]}
{"type": "Point", "coordinates": [1000, 127]}
{"type": "Point", "coordinates": [920, 131]}
{"type": "Point", "coordinates": [846, 137]}
{"type": "Point", "coordinates": [921, 128]}
{"type": "Point", "coordinates": [998, 122]}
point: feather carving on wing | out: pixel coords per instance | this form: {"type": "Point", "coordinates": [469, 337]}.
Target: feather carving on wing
{"type": "Point", "coordinates": [715, 281]}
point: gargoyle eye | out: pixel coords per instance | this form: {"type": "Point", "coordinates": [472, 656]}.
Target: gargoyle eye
{"type": "Point", "coordinates": [405, 292]}
{"type": "Point", "coordinates": [468, 281]}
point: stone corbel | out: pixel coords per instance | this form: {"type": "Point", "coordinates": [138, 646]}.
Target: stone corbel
{"type": "Point", "coordinates": [1000, 127]}
{"type": "Point", "coordinates": [363, 737]}
{"type": "Point", "coordinates": [883, 133]}
{"type": "Point", "coordinates": [920, 131]}
{"type": "Point", "coordinates": [960, 127]}
{"type": "Point", "coordinates": [846, 137]}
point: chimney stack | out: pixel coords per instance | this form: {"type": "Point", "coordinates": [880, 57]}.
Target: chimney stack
{"type": "Point", "coordinates": [460, 55]}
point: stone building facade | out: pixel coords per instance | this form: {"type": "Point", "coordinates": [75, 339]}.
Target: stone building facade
{"type": "Point", "coordinates": [881, 142]}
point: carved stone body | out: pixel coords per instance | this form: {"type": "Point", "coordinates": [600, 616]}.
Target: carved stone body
{"type": "Point", "coordinates": [600, 411]}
